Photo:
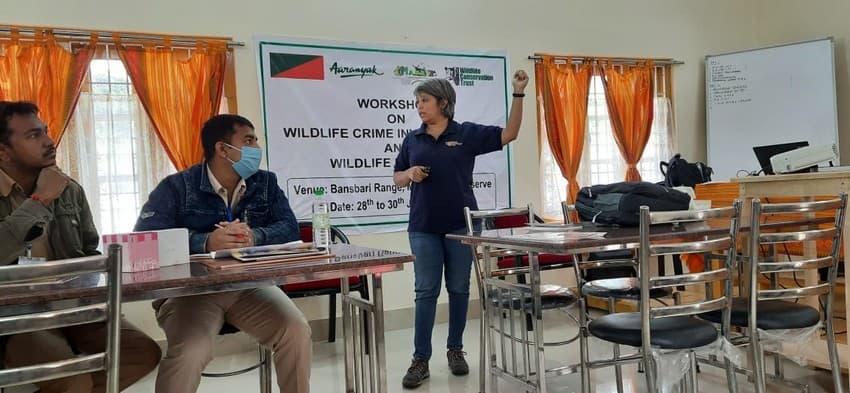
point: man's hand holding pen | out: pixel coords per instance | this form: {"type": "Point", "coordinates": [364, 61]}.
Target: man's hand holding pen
{"type": "Point", "coordinates": [232, 234]}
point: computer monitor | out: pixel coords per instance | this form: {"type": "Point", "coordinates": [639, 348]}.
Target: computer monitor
{"type": "Point", "coordinates": [763, 153]}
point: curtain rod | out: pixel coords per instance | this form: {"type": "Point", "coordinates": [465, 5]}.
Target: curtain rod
{"type": "Point", "coordinates": [620, 60]}
{"type": "Point", "coordinates": [107, 36]}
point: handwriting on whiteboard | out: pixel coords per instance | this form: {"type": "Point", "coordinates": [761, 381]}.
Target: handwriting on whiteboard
{"type": "Point", "coordinates": [728, 84]}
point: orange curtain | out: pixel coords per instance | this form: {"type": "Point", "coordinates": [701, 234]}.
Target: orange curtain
{"type": "Point", "coordinates": [45, 73]}
{"type": "Point", "coordinates": [562, 112]}
{"type": "Point", "coordinates": [629, 95]}
{"type": "Point", "coordinates": [179, 91]}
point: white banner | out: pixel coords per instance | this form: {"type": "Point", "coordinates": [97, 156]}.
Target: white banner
{"type": "Point", "coordinates": [336, 113]}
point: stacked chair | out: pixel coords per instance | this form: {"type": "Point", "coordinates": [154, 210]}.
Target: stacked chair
{"type": "Point", "coordinates": [515, 323]}
{"type": "Point", "coordinates": [660, 326]}
{"type": "Point", "coordinates": [611, 275]}
{"type": "Point", "coordinates": [780, 304]}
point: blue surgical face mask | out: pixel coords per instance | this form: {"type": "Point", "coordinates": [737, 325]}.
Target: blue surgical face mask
{"type": "Point", "coordinates": [249, 164]}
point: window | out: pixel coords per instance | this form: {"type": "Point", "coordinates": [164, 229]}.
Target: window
{"type": "Point", "coordinates": [109, 144]}
{"type": "Point", "coordinates": [110, 148]}
{"type": "Point", "coordinates": [601, 162]}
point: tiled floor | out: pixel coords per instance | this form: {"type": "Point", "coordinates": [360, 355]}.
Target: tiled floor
{"type": "Point", "coordinates": [328, 370]}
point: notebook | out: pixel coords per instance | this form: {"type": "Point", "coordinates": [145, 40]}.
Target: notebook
{"type": "Point", "coordinates": [287, 248]}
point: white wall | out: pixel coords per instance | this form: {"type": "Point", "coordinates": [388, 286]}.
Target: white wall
{"type": "Point", "coordinates": [684, 30]}
{"type": "Point", "coordinates": [785, 21]}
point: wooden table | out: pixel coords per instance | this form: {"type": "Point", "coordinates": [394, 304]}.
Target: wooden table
{"type": "Point", "coordinates": [807, 186]}
{"type": "Point", "coordinates": [365, 368]}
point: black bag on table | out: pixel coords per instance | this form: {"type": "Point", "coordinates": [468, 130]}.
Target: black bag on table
{"type": "Point", "coordinates": [619, 203]}
{"type": "Point", "coordinates": [680, 172]}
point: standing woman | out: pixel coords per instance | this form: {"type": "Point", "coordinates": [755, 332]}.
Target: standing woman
{"type": "Point", "coordinates": [436, 160]}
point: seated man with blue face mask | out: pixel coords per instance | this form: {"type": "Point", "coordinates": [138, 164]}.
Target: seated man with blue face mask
{"type": "Point", "coordinates": [227, 202]}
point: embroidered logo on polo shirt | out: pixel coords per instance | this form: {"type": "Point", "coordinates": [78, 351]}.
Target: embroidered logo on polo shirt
{"type": "Point", "coordinates": [453, 143]}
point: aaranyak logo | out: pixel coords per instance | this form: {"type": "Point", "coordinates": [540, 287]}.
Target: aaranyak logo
{"type": "Point", "coordinates": [354, 71]}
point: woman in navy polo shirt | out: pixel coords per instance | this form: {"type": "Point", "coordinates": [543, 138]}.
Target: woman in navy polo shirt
{"type": "Point", "coordinates": [436, 160]}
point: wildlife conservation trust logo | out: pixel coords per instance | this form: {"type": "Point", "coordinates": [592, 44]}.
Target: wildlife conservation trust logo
{"type": "Point", "coordinates": [467, 76]}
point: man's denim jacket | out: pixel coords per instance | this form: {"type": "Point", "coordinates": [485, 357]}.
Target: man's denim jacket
{"type": "Point", "coordinates": [187, 200]}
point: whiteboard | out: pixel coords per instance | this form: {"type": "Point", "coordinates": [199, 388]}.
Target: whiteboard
{"type": "Point", "coordinates": [766, 96]}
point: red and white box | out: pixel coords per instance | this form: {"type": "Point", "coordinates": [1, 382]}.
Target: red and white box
{"type": "Point", "coordinates": [150, 250]}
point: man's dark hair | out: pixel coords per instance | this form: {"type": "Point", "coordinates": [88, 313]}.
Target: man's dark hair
{"type": "Point", "coordinates": [9, 109]}
{"type": "Point", "coordinates": [220, 128]}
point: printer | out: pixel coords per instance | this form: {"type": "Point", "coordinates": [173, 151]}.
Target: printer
{"type": "Point", "coordinates": [804, 158]}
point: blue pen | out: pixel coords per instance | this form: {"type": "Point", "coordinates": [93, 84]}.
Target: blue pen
{"type": "Point", "coordinates": [229, 214]}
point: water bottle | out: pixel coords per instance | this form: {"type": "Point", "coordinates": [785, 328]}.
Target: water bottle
{"type": "Point", "coordinates": [321, 221]}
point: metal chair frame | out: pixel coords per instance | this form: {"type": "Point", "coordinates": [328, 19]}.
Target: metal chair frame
{"type": "Point", "coordinates": [532, 219]}
{"type": "Point", "coordinates": [649, 311]}
{"type": "Point", "coordinates": [772, 267]}
{"type": "Point", "coordinates": [567, 209]}
{"type": "Point", "coordinates": [581, 268]}
{"type": "Point", "coordinates": [508, 318]}
{"type": "Point", "coordinates": [264, 365]}
{"type": "Point", "coordinates": [108, 312]}
{"type": "Point", "coordinates": [337, 236]}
